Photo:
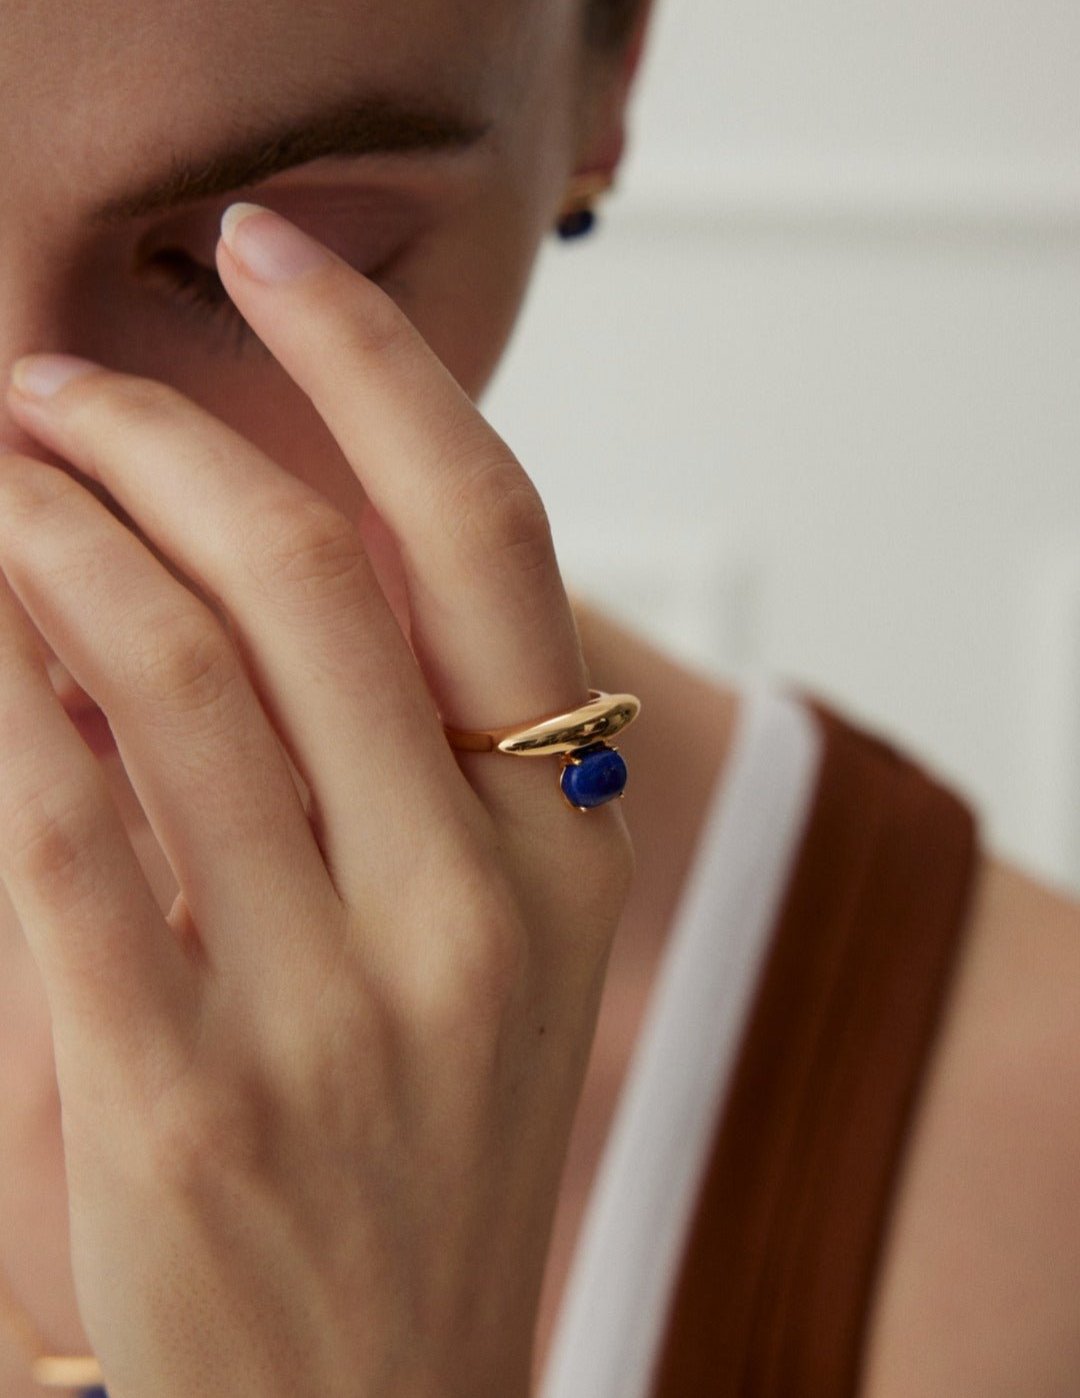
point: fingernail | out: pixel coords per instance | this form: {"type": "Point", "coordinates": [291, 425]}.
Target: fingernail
{"type": "Point", "coordinates": [42, 375]}
{"type": "Point", "coordinates": [269, 247]}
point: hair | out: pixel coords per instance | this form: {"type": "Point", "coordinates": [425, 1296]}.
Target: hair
{"type": "Point", "coordinates": [610, 23]}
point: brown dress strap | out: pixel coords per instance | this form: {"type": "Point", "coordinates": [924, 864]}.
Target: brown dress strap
{"type": "Point", "coordinates": [775, 1283]}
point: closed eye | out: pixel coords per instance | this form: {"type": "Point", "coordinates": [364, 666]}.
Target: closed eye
{"type": "Point", "coordinates": [201, 287]}
{"type": "Point", "coordinates": [371, 229]}
{"type": "Point", "coordinates": [187, 279]}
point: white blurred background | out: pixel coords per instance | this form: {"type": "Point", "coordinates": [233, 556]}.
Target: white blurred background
{"type": "Point", "coordinates": [809, 401]}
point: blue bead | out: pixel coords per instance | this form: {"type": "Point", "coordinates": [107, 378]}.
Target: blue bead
{"type": "Point", "coordinates": [93, 1393]}
{"type": "Point", "coordinates": [577, 224]}
{"type": "Point", "coordinates": [597, 775]}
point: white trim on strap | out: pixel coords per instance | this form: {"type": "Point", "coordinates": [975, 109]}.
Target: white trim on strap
{"type": "Point", "coordinates": [615, 1307]}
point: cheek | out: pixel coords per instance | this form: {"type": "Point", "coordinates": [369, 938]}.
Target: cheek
{"type": "Point", "coordinates": [472, 332]}
{"type": "Point", "coordinates": [469, 326]}
{"type": "Point", "coordinates": [264, 405]}
{"type": "Point", "coordinates": [464, 295]}
{"type": "Point", "coordinates": [280, 420]}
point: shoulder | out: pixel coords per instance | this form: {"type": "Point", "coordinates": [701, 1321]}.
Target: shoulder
{"type": "Point", "coordinates": [981, 1266]}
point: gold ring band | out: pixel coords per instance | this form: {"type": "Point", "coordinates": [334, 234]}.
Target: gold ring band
{"type": "Point", "coordinates": [601, 718]}
{"type": "Point", "coordinates": [53, 1371]}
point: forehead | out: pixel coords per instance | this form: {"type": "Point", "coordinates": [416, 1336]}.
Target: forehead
{"type": "Point", "coordinates": [62, 52]}
{"type": "Point", "coordinates": [96, 89]}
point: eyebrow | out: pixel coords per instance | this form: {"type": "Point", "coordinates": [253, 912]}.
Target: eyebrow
{"type": "Point", "coordinates": [372, 126]}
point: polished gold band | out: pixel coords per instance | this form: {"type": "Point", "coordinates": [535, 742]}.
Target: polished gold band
{"type": "Point", "coordinates": [54, 1372]}
{"type": "Point", "coordinates": [601, 718]}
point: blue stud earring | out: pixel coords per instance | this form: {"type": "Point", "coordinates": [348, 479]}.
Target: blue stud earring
{"type": "Point", "coordinates": [577, 217]}
{"type": "Point", "coordinates": [576, 224]}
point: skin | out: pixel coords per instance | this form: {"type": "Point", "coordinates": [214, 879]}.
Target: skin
{"type": "Point", "coordinates": [456, 240]}
{"type": "Point", "coordinates": [471, 999]}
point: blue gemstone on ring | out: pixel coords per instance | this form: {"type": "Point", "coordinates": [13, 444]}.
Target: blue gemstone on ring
{"type": "Point", "coordinates": [593, 776]}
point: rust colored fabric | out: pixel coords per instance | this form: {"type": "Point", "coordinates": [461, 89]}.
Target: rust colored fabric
{"type": "Point", "coordinates": [776, 1278]}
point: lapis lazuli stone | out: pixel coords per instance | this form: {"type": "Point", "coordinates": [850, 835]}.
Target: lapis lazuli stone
{"type": "Point", "coordinates": [93, 1393]}
{"type": "Point", "coordinates": [598, 774]}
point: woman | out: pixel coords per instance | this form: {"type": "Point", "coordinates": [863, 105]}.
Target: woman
{"type": "Point", "coordinates": [321, 987]}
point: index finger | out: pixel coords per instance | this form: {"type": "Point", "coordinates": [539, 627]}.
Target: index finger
{"type": "Point", "coordinates": [491, 623]}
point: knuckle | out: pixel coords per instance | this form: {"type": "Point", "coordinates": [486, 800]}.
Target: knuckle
{"type": "Point", "coordinates": [344, 1073]}
{"type": "Point", "coordinates": [376, 326]}
{"type": "Point", "coordinates": [471, 970]}
{"type": "Point", "coordinates": [499, 520]}
{"type": "Point", "coordinates": [180, 658]}
{"type": "Point", "coordinates": [303, 545]}
{"type": "Point", "coordinates": [204, 1136]}
{"type": "Point", "coordinates": [50, 840]}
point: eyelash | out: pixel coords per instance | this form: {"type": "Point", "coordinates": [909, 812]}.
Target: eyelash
{"type": "Point", "coordinates": [202, 288]}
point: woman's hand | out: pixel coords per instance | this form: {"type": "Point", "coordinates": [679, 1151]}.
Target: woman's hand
{"type": "Point", "coordinates": [314, 1118]}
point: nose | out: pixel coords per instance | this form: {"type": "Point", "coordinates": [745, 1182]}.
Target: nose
{"type": "Point", "coordinates": [34, 314]}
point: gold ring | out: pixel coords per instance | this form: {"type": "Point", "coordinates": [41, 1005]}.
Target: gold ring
{"type": "Point", "coordinates": [602, 717]}
{"type": "Point", "coordinates": [593, 772]}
